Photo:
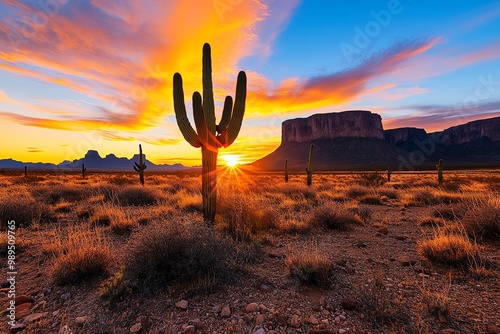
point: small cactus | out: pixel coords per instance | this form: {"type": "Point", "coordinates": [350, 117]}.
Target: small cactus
{"type": "Point", "coordinates": [83, 171]}
{"type": "Point", "coordinates": [309, 166]}
{"type": "Point", "coordinates": [141, 166]}
{"type": "Point", "coordinates": [389, 173]}
{"type": "Point", "coordinates": [209, 135]}
{"type": "Point", "coordinates": [25, 171]}
{"type": "Point", "coordinates": [439, 167]}
{"type": "Point", "coordinates": [286, 170]}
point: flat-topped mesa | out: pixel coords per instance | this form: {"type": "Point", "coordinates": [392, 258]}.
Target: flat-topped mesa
{"type": "Point", "coordinates": [346, 124]}
{"type": "Point", "coordinates": [404, 134]}
{"type": "Point", "coordinates": [469, 132]}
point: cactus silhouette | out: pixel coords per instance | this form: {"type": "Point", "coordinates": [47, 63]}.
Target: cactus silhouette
{"type": "Point", "coordinates": [389, 173]}
{"type": "Point", "coordinates": [209, 135]}
{"type": "Point", "coordinates": [141, 166]}
{"type": "Point", "coordinates": [309, 166]}
{"type": "Point", "coordinates": [439, 167]}
{"type": "Point", "coordinates": [25, 171]}
{"type": "Point", "coordinates": [286, 170]}
{"type": "Point", "coordinates": [83, 171]}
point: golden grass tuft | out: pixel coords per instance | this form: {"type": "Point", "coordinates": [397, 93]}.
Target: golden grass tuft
{"type": "Point", "coordinates": [334, 215]}
{"type": "Point", "coordinates": [311, 267]}
{"type": "Point", "coordinates": [451, 248]}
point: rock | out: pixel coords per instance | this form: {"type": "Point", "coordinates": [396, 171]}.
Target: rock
{"type": "Point", "coordinates": [352, 124]}
{"type": "Point", "coordinates": [281, 321]}
{"type": "Point", "coordinates": [406, 261]}
{"type": "Point", "coordinates": [136, 328]}
{"type": "Point", "coordinates": [262, 308]}
{"type": "Point", "coordinates": [35, 317]}
{"type": "Point", "coordinates": [80, 321]}
{"type": "Point", "coordinates": [405, 134]}
{"type": "Point", "coordinates": [66, 296]}
{"type": "Point", "coordinates": [22, 307]}
{"type": "Point", "coordinates": [260, 331]}
{"type": "Point", "coordinates": [183, 304]}
{"type": "Point", "coordinates": [22, 313]}
{"type": "Point", "coordinates": [260, 319]}
{"type": "Point", "coordinates": [225, 312]}
{"type": "Point", "coordinates": [342, 331]}
{"type": "Point", "coordinates": [265, 287]}
{"type": "Point", "coordinates": [189, 329]}
{"type": "Point", "coordinates": [383, 230]}
{"type": "Point", "coordinates": [295, 321]}
{"type": "Point", "coordinates": [272, 332]}
{"type": "Point", "coordinates": [17, 328]}
{"type": "Point", "coordinates": [199, 325]}
{"type": "Point", "coordinates": [313, 320]}
{"type": "Point", "coordinates": [349, 304]}
{"type": "Point", "coordinates": [492, 329]}
{"type": "Point", "coordinates": [469, 132]}
{"type": "Point", "coordinates": [321, 331]}
{"type": "Point", "coordinates": [23, 299]}
{"type": "Point", "coordinates": [252, 307]}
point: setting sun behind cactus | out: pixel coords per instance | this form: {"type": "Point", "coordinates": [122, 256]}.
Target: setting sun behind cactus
{"type": "Point", "coordinates": [231, 160]}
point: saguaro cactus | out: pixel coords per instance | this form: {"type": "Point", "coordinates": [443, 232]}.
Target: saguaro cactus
{"type": "Point", "coordinates": [83, 171]}
{"type": "Point", "coordinates": [309, 166]}
{"type": "Point", "coordinates": [389, 173]}
{"type": "Point", "coordinates": [439, 167]}
{"type": "Point", "coordinates": [26, 171]}
{"type": "Point", "coordinates": [286, 170]}
{"type": "Point", "coordinates": [141, 166]}
{"type": "Point", "coordinates": [209, 135]}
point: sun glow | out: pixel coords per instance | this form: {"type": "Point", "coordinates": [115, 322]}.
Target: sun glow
{"type": "Point", "coordinates": [231, 160]}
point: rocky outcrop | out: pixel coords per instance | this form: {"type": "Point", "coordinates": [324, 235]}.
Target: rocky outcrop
{"type": "Point", "coordinates": [404, 134]}
{"type": "Point", "coordinates": [472, 131]}
{"type": "Point", "coordinates": [347, 124]}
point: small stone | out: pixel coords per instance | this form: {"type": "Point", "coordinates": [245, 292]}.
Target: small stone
{"type": "Point", "coordinates": [56, 313]}
{"type": "Point", "coordinates": [23, 299]}
{"type": "Point", "coordinates": [262, 308]}
{"type": "Point", "coordinates": [272, 332]}
{"type": "Point", "coordinates": [22, 313]}
{"type": "Point", "coordinates": [349, 304]}
{"type": "Point", "coordinates": [80, 321]}
{"type": "Point", "coordinates": [199, 325]}
{"type": "Point", "coordinates": [342, 317]}
{"type": "Point", "coordinates": [17, 328]}
{"type": "Point", "coordinates": [260, 319]}
{"type": "Point", "coordinates": [190, 329]}
{"type": "Point", "coordinates": [342, 331]}
{"type": "Point", "coordinates": [492, 329]}
{"type": "Point", "coordinates": [406, 261]}
{"type": "Point", "coordinates": [321, 331]}
{"type": "Point", "coordinates": [313, 320]}
{"type": "Point", "coordinates": [35, 316]}
{"type": "Point", "coordinates": [280, 320]}
{"type": "Point", "coordinates": [252, 307]}
{"type": "Point", "coordinates": [225, 312]}
{"type": "Point", "coordinates": [295, 321]}
{"type": "Point", "coordinates": [260, 331]}
{"type": "Point", "coordinates": [383, 230]}
{"type": "Point", "coordinates": [136, 328]}
{"type": "Point", "coordinates": [3, 295]}
{"type": "Point", "coordinates": [66, 296]}
{"type": "Point", "coordinates": [183, 304]}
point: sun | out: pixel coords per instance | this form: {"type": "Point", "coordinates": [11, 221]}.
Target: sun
{"type": "Point", "coordinates": [231, 160]}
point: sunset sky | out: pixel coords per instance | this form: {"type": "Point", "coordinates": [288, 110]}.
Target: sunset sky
{"type": "Point", "coordinates": [97, 74]}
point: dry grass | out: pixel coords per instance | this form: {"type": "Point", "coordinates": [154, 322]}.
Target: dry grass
{"type": "Point", "coordinates": [481, 219]}
{"type": "Point", "coordinates": [138, 196]}
{"type": "Point", "coordinates": [334, 215]}
{"type": "Point", "coordinates": [311, 267]}
{"type": "Point", "coordinates": [21, 207]}
{"type": "Point", "coordinates": [81, 255]}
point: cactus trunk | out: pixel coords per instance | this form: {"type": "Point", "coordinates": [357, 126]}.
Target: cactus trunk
{"type": "Point", "coordinates": [25, 171]}
{"type": "Point", "coordinates": [309, 166]}
{"type": "Point", "coordinates": [286, 170]}
{"type": "Point", "coordinates": [209, 135]}
{"type": "Point", "coordinates": [83, 171]}
{"type": "Point", "coordinates": [141, 166]}
{"type": "Point", "coordinates": [440, 171]}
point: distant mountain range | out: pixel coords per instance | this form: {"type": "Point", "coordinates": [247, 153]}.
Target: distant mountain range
{"type": "Point", "coordinates": [357, 140]}
{"type": "Point", "coordinates": [92, 161]}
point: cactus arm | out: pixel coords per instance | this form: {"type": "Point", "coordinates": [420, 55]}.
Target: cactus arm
{"type": "Point", "coordinates": [144, 167]}
{"type": "Point", "coordinates": [180, 113]}
{"type": "Point", "coordinates": [137, 169]}
{"type": "Point", "coordinates": [226, 114]}
{"type": "Point", "coordinates": [208, 89]}
{"type": "Point", "coordinates": [199, 119]}
{"type": "Point", "coordinates": [233, 129]}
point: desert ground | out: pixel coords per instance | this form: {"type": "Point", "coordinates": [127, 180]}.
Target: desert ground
{"type": "Point", "coordinates": [350, 254]}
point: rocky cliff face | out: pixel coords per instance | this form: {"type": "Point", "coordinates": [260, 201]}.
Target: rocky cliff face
{"type": "Point", "coordinates": [347, 124]}
{"type": "Point", "coordinates": [404, 134]}
{"type": "Point", "coordinates": [469, 132]}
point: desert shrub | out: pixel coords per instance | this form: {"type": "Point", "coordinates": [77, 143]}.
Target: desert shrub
{"type": "Point", "coordinates": [333, 215]}
{"type": "Point", "coordinates": [450, 248]}
{"type": "Point", "coordinates": [371, 179]}
{"type": "Point", "coordinates": [437, 303]}
{"type": "Point", "coordinates": [373, 199]}
{"type": "Point", "coordinates": [388, 192]}
{"type": "Point", "coordinates": [448, 212]}
{"type": "Point", "coordinates": [63, 206]}
{"type": "Point", "coordinates": [137, 196]}
{"type": "Point", "coordinates": [481, 219]}
{"type": "Point", "coordinates": [298, 191]}
{"type": "Point", "coordinates": [164, 253]}
{"type": "Point", "coordinates": [364, 213]}
{"type": "Point", "coordinates": [106, 215]}
{"type": "Point", "coordinates": [190, 202]}
{"type": "Point", "coordinates": [60, 192]}
{"type": "Point", "coordinates": [82, 255]}
{"type": "Point", "coordinates": [122, 180]}
{"type": "Point", "coordinates": [311, 267]}
{"type": "Point", "coordinates": [430, 221]}
{"type": "Point", "coordinates": [357, 191]}
{"type": "Point", "coordinates": [243, 215]}
{"type": "Point", "coordinates": [420, 197]}
{"type": "Point", "coordinates": [21, 207]}
{"type": "Point", "coordinates": [292, 225]}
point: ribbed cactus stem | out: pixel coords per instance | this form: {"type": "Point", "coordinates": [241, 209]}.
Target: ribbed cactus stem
{"type": "Point", "coordinates": [141, 166]}
{"type": "Point", "coordinates": [209, 135]}
{"type": "Point", "coordinates": [389, 173]}
{"type": "Point", "coordinates": [439, 167]}
{"type": "Point", "coordinates": [83, 171]}
{"type": "Point", "coordinates": [286, 170]}
{"type": "Point", "coordinates": [309, 166]}
{"type": "Point", "coordinates": [25, 171]}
